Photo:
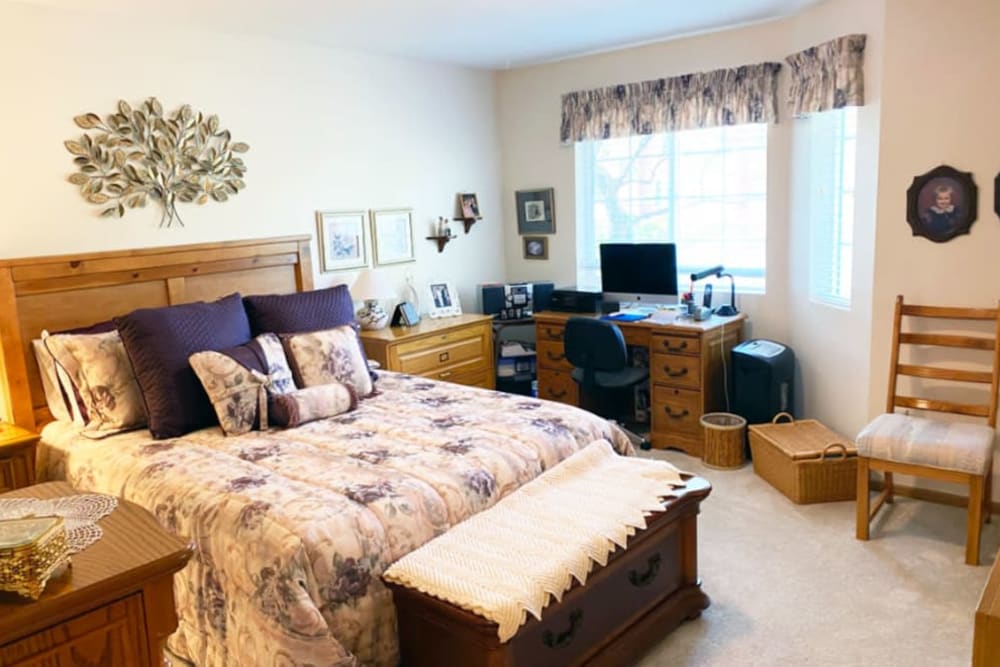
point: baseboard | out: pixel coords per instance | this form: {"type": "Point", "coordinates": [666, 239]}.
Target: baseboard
{"type": "Point", "coordinates": [931, 495]}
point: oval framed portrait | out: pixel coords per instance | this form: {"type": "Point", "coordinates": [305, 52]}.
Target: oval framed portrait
{"type": "Point", "coordinates": [941, 204]}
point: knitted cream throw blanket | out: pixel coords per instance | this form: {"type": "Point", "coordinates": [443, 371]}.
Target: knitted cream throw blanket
{"type": "Point", "coordinates": [506, 561]}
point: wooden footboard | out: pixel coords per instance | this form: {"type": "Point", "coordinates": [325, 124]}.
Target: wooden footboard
{"type": "Point", "coordinates": [626, 607]}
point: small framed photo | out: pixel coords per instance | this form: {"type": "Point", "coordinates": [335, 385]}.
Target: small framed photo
{"type": "Point", "coordinates": [942, 204]}
{"type": "Point", "coordinates": [468, 206]}
{"type": "Point", "coordinates": [536, 247]}
{"type": "Point", "coordinates": [392, 233]}
{"type": "Point", "coordinates": [443, 300]}
{"type": "Point", "coordinates": [536, 211]}
{"type": "Point", "coordinates": [342, 240]}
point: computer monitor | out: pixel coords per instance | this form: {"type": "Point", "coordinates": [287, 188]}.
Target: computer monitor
{"type": "Point", "coordinates": [639, 272]}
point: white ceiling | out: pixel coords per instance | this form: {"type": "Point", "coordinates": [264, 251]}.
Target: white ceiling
{"type": "Point", "coordinates": [493, 34]}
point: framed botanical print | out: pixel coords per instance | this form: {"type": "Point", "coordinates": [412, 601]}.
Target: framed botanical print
{"type": "Point", "coordinates": [342, 240]}
{"type": "Point", "coordinates": [392, 233]}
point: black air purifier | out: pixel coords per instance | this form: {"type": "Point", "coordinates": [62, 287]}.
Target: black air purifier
{"type": "Point", "coordinates": [762, 380]}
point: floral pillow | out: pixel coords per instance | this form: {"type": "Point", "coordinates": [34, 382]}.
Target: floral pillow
{"type": "Point", "coordinates": [325, 357]}
{"type": "Point", "coordinates": [278, 369]}
{"type": "Point", "coordinates": [238, 393]}
{"type": "Point", "coordinates": [306, 405]}
{"type": "Point", "coordinates": [99, 370]}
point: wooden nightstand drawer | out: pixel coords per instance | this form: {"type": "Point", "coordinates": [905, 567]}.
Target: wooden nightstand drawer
{"type": "Point", "coordinates": [441, 340]}
{"type": "Point", "coordinates": [676, 369]}
{"type": "Point", "coordinates": [431, 359]}
{"type": "Point", "coordinates": [112, 635]}
{"type": "Point", "coordinates": [17, 458]}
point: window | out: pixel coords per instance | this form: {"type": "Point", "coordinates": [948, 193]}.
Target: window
{"type": "Point", "coordinates": [832, 165]}
{"type": "Point", "coordinates": [705, 190]}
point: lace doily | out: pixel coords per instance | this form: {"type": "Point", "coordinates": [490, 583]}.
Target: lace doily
{"type": "Point", "coordinates": [80, 514]}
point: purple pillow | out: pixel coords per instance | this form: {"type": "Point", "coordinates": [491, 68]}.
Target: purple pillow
{"type": "Point", "coordinates": [303, 312]}
{"type": "Point", "coordinates": [300, 312]}
{"type": "Point", "coordinates": [160, 340]}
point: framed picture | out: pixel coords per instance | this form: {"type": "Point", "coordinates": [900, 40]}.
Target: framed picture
{"type": "Point", "coordinates": [468, 206]}
{"type": "Point", "coordinates": [536, 212]}
{"type": "Point", "coordinates": [442, 299]}
{"type": "Point", "coordinates": [942, 203]}
{"type": "Point", "coordinates": [392, 235]}
{"type": "Point", "coordinates": [996, 194]}
{"type": "Point", "coordinates": [536, 247]}
{"type": "Point", "coordinates": [342, 240]}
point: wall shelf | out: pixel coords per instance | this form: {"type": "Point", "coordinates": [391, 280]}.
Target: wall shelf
{"type": "Point", "coordinates": [442, 241]}
{"type": "Point", "coordinates": [468, 222]}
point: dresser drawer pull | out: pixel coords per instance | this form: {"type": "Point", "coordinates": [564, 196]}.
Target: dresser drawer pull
{"type": "Point", "coordinates": [638, 579]}
{"type": "Point", "coordinates": [676, 415]}
{"type": "Point", "coordinates": [554, 333]}
{"type": "Point", "coordinates": [554, 357]}
{"type": "Point", "coordinates": [675, 374]}
{"type": "Point", "coordinates": [680, 348]}
{"type": "Point", "coordinates": [557, 394]}
{"type": "Point", "coordinates": [562, 640]}
{"type": "Point", "coordinates": [444, 356]}
{"type": "Point", "coordinates": [444, 374]}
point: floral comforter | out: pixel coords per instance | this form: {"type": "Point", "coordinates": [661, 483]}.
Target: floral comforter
{"type": "Point", "coordinates": [294, 528]}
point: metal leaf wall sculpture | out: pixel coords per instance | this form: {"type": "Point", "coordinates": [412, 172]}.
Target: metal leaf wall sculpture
{"type": "Point", "coordinates": [139, 154]}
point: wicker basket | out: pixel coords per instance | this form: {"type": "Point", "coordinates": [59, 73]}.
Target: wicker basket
{"type": "Point", "coordinates": [804, 460]}
{"type": "Point", "coordinates": [724, 435]}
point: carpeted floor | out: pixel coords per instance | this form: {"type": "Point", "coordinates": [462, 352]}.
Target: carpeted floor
{"type": "Point", "coordinates": [791, 586]}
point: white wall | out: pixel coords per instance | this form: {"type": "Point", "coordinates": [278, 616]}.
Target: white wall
{"type": "Point", "coordinates": [831, 343]}
{"type": "Point", "coordinates": [939, 106]}
{"type": "Point", "coordinates": [328, 129]}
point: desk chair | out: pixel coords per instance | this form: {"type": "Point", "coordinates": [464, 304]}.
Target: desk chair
{"type": "Point", "coordinates": [934, 448]}
{"type": "Point", "coordinates": [597, 350]}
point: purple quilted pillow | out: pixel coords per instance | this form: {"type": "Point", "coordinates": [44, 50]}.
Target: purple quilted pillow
{"type": "Point", "coordinates": [160, 340]}
{"type": "Point", "coordinates": [300, 312]}
{"type": "Point", "coordinates": [303, 312]}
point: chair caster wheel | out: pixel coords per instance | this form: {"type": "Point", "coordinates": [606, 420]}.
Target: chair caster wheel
{"type": "Point", "coordinates": [645, 445]}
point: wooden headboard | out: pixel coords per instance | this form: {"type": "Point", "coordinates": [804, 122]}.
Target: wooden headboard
{"type": "Point", "coordinates": [66, 291]}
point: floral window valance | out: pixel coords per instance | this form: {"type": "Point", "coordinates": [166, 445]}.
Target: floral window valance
{"type": "Point", "coordinates": [745, 94]}
{"type": "Point", "coordinates": [828, 76]}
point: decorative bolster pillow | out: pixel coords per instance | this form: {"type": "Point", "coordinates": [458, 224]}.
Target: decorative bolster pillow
{"type": "Point", "coordinates": [306, 405]}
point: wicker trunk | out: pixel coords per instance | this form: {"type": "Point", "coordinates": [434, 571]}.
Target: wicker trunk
{"type": "Point", "coordinates": [804, 460]}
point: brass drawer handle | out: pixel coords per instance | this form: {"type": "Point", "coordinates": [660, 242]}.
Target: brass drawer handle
{"type": "Point", "coordinates": [646, 578]}
{"type": "Point", "coordinates": [680, 348]}
{"type": "Point", "coordinates": [554, 357]}
{"type": "Point", "coordinates": [444, 356]}
{"type": "Point", "coordinates": [444, 374]}
{"type": "Point", "coordinates": [675, 374]}
{"type": "Point", "coordinates": [562, 640]}
{"type": "Point", "coordinates": [557, 394]}
{"type": "Point", "coordinates": [676, 415]}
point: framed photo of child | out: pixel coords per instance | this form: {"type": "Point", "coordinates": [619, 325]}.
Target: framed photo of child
{"type": "Point", "coordinates": [942, 204]}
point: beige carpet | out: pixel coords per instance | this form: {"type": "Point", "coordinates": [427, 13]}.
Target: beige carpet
{"type": "Point", "coordinates": [791, 586]}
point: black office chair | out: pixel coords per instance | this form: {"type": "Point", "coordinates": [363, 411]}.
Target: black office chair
{"type": "Point", "coordinates": [597, 350]}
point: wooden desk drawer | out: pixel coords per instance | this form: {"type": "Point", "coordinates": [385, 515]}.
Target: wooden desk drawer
{"type": "Point", "coordinates": [557, 386]}
{"type": "Point", "coordinates": [676, 369]}
{"type": "Point", "coordinates": [549, 331]}
{"type": "Point", "coordinates": [675, 345]}
{"type": "Point", "coordinates": [552, 355]}
{"type": "Point", "coordinates": [422, 361]}
{"type": "Point", "coordinates": [676, 410]}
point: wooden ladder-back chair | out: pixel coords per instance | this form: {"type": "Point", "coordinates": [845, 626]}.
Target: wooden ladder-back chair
{"type": "Point", "coordinates": [939, 449]}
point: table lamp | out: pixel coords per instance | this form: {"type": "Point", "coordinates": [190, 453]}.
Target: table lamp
{"type": "Point", "coordinates": [370, 287]}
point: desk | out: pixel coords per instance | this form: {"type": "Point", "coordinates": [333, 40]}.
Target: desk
{"type": "Point", "coordinates": [685, 370]}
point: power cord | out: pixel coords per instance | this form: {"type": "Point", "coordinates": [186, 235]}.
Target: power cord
{"type": "Point", "coordinates": [725, 369]}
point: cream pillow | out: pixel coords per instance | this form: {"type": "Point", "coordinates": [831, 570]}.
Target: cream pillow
{"type": "Point", "coordinates": [325, 357]}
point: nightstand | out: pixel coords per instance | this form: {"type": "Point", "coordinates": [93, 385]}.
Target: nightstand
{"type": "Point", "coordinates": [115, 606]}
{"type": "Point", "coordinates": [17, 457]}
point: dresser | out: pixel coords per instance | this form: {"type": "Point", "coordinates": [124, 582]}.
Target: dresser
{"type": "Point", "coordinates": [115, 606]}
{"type": "Point", "coordinates": [986, 636]}
{"type": "Point", "coordinates": [457, 349]}
{"type": "Point", "coordinates": [686, 369]}
{"type": "Point", "coordinates": [17, 457]}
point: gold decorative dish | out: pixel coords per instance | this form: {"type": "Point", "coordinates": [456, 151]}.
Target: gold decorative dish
{"type": "Point", "coordinates": [31, 551]}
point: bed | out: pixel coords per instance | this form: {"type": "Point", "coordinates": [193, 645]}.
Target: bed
{"type": "Point", "coordinates": [292, 527]}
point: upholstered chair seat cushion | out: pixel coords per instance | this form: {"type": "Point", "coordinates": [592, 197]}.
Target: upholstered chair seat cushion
{"type": "Point", "coordinates": [936, 443]}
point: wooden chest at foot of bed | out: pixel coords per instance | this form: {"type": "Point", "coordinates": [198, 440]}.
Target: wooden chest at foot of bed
{"type": "Point", "coordinates": [625, 608]}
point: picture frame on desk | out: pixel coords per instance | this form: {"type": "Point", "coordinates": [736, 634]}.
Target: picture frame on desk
{"type": "Point", "coordinates": [443, 299]}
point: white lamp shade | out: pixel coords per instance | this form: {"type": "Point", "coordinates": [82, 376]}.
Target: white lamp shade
{"type": "Point", "coordinates": [371, 285]}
